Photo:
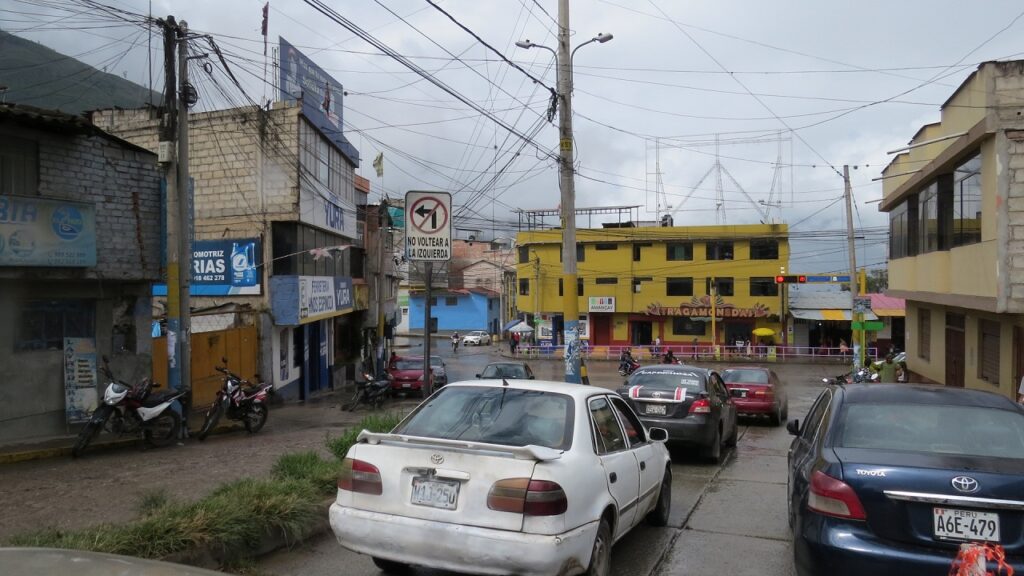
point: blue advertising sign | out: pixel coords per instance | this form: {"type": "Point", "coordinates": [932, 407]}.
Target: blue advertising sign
{"type": "Point", "coordinates": [296, 300]}
{"type": "Point", "coordinates": [44, 232]}
{"type": "Point", "coordinates": [320, 94]}
{"type": "Point", "coordinates": [223, 268]}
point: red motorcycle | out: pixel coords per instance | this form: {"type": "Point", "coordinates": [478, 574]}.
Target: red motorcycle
{"type": "Point", "coordinates": [238, 399]}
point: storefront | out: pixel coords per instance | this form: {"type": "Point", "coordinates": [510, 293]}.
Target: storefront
{"type": "Point", "coordinates": [689, 321]}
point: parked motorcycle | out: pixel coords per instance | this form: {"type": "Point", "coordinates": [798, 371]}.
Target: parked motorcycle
{"type": "Point", "coordinates": [238, 399]}
{"type": "Point", "coordinates": [628, 367]}
{"type": "Point", "coordinates": [862, 375]}
{"type": "Point", "coordinates": [371, 393]}
{"type": "Point", "coordinates": [134, 409]}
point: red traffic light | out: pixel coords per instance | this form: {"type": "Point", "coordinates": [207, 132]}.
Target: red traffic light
{"type": "Point", "coordinates": [790, 279]}
{"type": "Point", "coordinates": [780, 279]}
{"type": "Point", "coordinates": [801, 279]}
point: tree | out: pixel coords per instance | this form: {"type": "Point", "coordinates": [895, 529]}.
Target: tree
{"type": "Point", "coordinates": [878, 281]}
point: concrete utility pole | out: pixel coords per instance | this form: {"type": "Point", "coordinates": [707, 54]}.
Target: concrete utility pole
{"type": "Point", "coordinates": [856, 336]}
{"type": "Point", "coordinates": [428, 274]}
{"type": "Point", "coordinates": [168, 139]}
{"type": "Point", "coordinates": [381, 220]}
{"type": "Point", "coordinates": [570, 298]}
{"type": "Point", "coordinates": [185, 229]}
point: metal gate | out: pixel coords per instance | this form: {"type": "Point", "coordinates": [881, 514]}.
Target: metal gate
{"type": "Point", "coordinates": [239, 345]}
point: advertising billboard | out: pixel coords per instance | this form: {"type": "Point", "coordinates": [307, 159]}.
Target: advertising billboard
{"type": "Point", "coordinates": [297, 300]}
{"type": "Point", "coordinates": [44, 232]}
{"type": "Point", "coordinates": [225, 267]}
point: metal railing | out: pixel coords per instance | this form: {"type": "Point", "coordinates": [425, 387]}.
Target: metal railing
{"type": "Point", "coordinates": [703, 352]}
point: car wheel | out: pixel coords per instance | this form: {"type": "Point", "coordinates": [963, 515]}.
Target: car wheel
{"type": "Point", "coordinates": [659, 515]}
{"type": "Point", "coordinates": [713, 451]}
{"type": "Point", "coordinates": [601, 555]}
{"type": "Point", "coordinates": [776, 418]}
{"type": "Point", "coordinates": [390, 566]}
{"type": "Point", "coordinates": [785, 411]}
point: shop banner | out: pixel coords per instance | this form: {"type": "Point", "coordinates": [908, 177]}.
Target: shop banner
{"type": "Point", "coordinates": [43, 232]}
{"type": "Point", "coordinates": [602, 304]}
{"type": "Point", "coordinates": [223, 268]}
{"type": "Point", "coordinates": [296, 300]}
{"type": "Point", "coordinates": [80, 380]}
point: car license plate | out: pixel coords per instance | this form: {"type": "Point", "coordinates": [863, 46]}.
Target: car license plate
{"type": "Point", "coordinates": [435, 493]}
{"type": "Point", "coordinates": [965, 525]}
{"type": "Point", "coordinates": [655, 409]}
{"type": "Point", "coordinates": [406, 384]}
{"type": "Point", "coordinates": [741, 392]}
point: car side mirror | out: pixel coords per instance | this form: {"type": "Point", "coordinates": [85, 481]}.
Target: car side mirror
{"type": "Point", "coordinates": [477, 375]}
{"type": "Point", "coordinates": [658, 434]}
{"type": "Point", "coordinates": [533, 378]}
{"type": "Point", "coordinates": [793, 426]}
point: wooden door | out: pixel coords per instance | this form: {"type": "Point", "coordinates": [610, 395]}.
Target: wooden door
{"type": "Point", "coordinates": [954, 357]}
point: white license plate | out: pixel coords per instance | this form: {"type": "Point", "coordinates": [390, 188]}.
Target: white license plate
{"type": "Point", "coordinates": [406, 384]}
{"type": "Point", "coordinates": [655, 409]}
{"type": "Point", "coordinates": [435, 493]}
{"type": "Point", "coordinates": [741, 392]}
{"type": "Point", "coordinates": [966, 525]}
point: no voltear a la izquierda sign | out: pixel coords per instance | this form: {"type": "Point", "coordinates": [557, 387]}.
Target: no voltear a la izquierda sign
{"type": "Point", "coordinates": [428, 226]}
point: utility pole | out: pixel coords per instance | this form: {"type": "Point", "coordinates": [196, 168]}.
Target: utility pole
{"type": "Point", "coordinates": [714, 319]}
{"type": "Point", "coordinates": [381, 220]}
{"type": "Point", "coordinates": [428, 274]}
{"type": "Point", "coordinates": [168, 138]}
{"type": "Point", "coordinates": [857, 336]}
{"type": "Point", "coordinates": [184, 212]}
{"type": "Point", "coordinates": [570, 299]}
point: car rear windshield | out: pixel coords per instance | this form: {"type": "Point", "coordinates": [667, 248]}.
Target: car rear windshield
{"type": "Point", "coordinates": [505, 416]}
{"type": "Point", "coordinates": [932, 428]}
{"type": "Point", "coordinates": [667, 379]}
{"type": "Point", "coordinates": [745, 376]}
{"type": "Point", "coordinates": [436, 361]}
{"type": "Point", "coordinates": [504, 371]}
{"type": "Point", "coordinates": [409, 364]}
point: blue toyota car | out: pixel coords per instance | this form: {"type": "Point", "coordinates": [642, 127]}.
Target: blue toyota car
{"type": "Point", "coordinates": [891, 479]}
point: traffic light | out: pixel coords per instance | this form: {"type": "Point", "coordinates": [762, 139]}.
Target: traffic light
{"type": "Point", "coordinates": [790, 279]}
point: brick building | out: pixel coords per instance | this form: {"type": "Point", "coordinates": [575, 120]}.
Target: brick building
{"type": "Point", "coordinates": [79, 247]}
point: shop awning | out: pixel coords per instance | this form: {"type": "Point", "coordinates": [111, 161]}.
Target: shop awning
{"type": "Point", "coordinates": [826, 314]}
{"type": "Point", "coordinates": [510, 324]}
{"type": "Point", "coordinates": [888, 306]}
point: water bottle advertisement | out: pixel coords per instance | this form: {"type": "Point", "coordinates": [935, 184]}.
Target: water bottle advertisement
{"type": "Point", "coordinates": [224, 267]}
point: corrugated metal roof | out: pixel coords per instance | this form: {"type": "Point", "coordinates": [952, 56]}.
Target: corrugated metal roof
{"type": "Point", "coordinates": [807, 305]}
{"type": "Point", "coordinates": [883, 305]}
{"type": "Point", "coordinates": [57, 121]}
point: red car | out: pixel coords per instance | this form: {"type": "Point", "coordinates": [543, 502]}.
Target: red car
{"type": "Point", "coordinates": [406, 374]}
{"type": "Point", "coordinates": [757, 392]}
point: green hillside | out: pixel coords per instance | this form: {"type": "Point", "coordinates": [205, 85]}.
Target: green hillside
{"type": "Point", "coordinates": [39, 76]}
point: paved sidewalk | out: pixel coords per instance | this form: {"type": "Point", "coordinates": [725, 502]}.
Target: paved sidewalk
{"type": "Point", "coordinates": [106, 485]}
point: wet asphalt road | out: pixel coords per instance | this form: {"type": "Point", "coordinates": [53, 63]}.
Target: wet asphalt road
{"type": "Point", "coordinates": [726, 519]}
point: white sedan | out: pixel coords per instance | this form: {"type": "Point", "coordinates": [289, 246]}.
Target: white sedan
{"type": "Point", "coordinates": [476, 338]}
{"type": "Point", "coordinates": [492, 477]}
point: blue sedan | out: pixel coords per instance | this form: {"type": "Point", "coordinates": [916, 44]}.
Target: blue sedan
{"type": "Point", "coordinates": [891, 479]}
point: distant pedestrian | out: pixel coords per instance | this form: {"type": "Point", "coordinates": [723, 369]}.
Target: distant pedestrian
{"type": "Point", "coordinates": [694, 347]}
{"type": "Point", "coordinates": [512, 344]}
{"type": "Point", "coordinates": [669, 358]}
{"type": "Point", "coordinates": [657, 345]}
{"type": "Point", "coordinates": [887, 372]}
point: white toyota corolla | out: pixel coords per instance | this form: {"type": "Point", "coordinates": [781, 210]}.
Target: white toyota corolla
{"type": "Point", "coordinates": [504, 477]}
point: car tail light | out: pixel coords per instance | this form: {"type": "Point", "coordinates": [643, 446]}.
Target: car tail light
{"type": "Point", "coordinates": [762, 393]}
{"type": "Point", "coordinates": [359, 476]}
{"type": "Point", "coordinates": [700, 406]}
{"type": "Point", "coordinates": [529, 497]}
{"type": "Point", "coordinates": [834, 498]}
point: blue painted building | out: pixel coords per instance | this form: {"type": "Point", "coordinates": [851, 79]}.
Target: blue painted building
{"type": "Point", "coordinates": [457, 310]}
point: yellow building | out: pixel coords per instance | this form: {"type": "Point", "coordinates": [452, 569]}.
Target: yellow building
{"type": "Point", "coordinates": [638, 284]}
{"type": "Point", "coordinates": [955, 198]}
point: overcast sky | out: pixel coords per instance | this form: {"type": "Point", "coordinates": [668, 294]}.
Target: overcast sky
{"type": "Point", "coordinates": [676, 74]}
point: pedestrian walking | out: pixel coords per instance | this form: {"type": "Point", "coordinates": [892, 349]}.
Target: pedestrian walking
{"type": "Point", "coordinates": [694, 347]}
{"type": "Point", "coordinates": [512, 344]}
{"type": "Point", "coordinates": [657, 346]}
{"type": "Point", "coordinates": [887, 373]}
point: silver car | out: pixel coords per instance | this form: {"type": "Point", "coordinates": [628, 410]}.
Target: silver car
{"type": "Point", "coordinates": [476, 338]}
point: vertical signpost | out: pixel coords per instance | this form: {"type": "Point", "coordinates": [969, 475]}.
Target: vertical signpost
{"type": "Point", "coordinates": [428, 239]}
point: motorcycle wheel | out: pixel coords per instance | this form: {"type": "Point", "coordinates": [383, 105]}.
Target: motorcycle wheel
{"type": "Point", "coordinates": [255, 418]}
{"type": "Point", "coordinates": [352, 404]}
{"type": "Point", "coordinates": [163, 430]}
{"type": "Point", "coordinates": [91, 430]}
{"type": "Point", "coordinates": [212, 417]}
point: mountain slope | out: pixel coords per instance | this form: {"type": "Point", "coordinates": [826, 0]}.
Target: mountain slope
{"type": "Point", "coordinates": [39, 76]}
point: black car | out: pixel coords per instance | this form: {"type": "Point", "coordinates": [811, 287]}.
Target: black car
{"type": "Point", "coordinates": [891, 479]}
{"type": "Point", "coordinates": [691, 403]}
{"type": "Point", "coordinates": [513, 370]}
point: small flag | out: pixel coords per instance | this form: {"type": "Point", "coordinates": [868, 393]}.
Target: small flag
{"type": "Point", "coordinates": [378, 165]}
{"type": "Point", "coordinates": [263, 28]}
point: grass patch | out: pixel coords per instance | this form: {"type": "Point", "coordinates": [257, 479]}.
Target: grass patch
{"type": "Point", "coordinates": [152, 501]}
{"type": "Point", "coordinates": [308, 467]}
{"type": "Point", "coordinates": [383, 422]}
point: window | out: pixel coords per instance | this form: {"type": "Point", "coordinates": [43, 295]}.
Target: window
{"type": "Point", "coordinates": [763, 287]}
{"type": "Point", "coordinates": [809, 428]}
{"type": "Point", "coordinates": [612, 280]}
{"type": "Point", "coordinates": [967, 202]}
{"type": "Point", "coordinates": [682, 326]}
{"type": "Point", "coordinates": [19, 166]}
{"type": "Point", "coordinates": [291, 244]}
{"type": "Point", "coordinates": [608, 435]}
{"type": "Point", "coordinates": [580, 253]}
{"type": "Point", "coordinates": [451, 300]}
{"type": "Point", "coordinates": [490, 303]}
{"type": "Point", "coordinates": [718, 251]}
{"type": "Point", "coordinates": [524, 254]}
{"type": "Point", "coordinates": [606, 246]}
{"type": "Point", "coordinates": [524, 286]}
{"type": "Point", "coordinates": [44, 324]}
{"type": "Point", "coordinates": [924, 333]}
{"type": "Point", "coordinates": [579, 286]}
{"type": "Point", "coordinates": [723, 286]}
{"type": "Point", "coordinates": [988, 350]}
{"type": "Point", "coordinates": [561, 285]}
{"type": "Point", "coordinates": [675, 251]}
{"type": "Point", "coordinates": [679, 287]}
{"type": "Point", "coordinates": [639, 280]}
{"type": "Point", "coordinates": [928, 219]}
{"type": "Point", "coordinates": [636, 250]}
{"type": "Point", "coordinates": [634, 429]}
{"type": "Point", "coordinates": [433, 300]}
{"type": "Point", "coordinates": [899, 232]}
{"type": "Point", "coordinates": [764, 249]}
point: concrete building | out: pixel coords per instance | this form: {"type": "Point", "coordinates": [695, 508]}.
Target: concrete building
{"type": "Point", "coordinates": [955, 198]}
{"type": "Point", "coordinates": [274, 181]}
{"type": "Point", "coordinates": [458, 310]}
{"type": "Point", "coordinates": [79, 247]}
{"type": "Point", "coordinates": [640, 283]}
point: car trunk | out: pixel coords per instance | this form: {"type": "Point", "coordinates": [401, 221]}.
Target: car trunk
{"type": "Point", "coordinates": [751, 390]}
{"type": "Point", "coordinates": [660, 402]}
{"type": "Point", "coordinates": [891, 485]}
{"type": "Point", "coordinates": [452, 483]}
{"type": "Point", "coordinates": [405, 378]}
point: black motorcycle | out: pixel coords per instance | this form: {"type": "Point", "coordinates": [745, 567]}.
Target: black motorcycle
{"type": "Point", "coordinates": [238, 399]}
{"type": "Point", "coordinates": [371, 393]}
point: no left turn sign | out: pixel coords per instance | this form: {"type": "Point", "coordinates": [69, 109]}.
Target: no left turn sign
{"type": "Point", "coordinates": [428, 229]}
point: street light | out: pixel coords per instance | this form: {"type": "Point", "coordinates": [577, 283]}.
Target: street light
{"type": "Point", "coordinates": [566, 172]}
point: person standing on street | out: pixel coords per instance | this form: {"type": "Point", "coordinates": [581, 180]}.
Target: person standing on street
{"type": "Point", "coordinates": [887, 373]}
{"type": "Point", "coordinates": [695, 347]}
{"type": "Point", "coordinates": [512, 343]}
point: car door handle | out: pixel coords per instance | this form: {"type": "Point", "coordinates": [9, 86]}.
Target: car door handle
{"type": "Point", "coordinates": [643, 465]}
{"type": "Point", "coordinates": [613, 477]}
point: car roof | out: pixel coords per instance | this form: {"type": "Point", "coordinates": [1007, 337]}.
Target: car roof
{"type": "Point", "coordinates": [761, 368]}
{"type": "Point", "coordinates": [577, 391]}
{"type": "Point", "coordinates": [507, 363]}
{"type": "Point", "coordinates": [923, 394]}
{"type": "Point", "coordinates": [678, 368]}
